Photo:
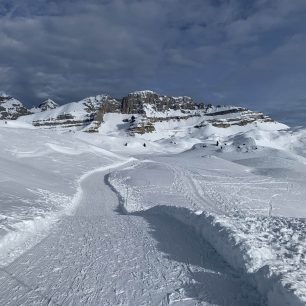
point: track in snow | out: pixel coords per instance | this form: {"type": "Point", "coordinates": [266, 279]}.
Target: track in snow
{"type": "Point", "coordinates": [102, 257]}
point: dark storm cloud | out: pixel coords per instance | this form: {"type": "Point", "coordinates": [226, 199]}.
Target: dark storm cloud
{"type": "Point", "coordinates": [242, 52]}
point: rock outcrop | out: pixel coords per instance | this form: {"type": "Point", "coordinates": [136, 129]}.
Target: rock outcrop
{"type": "Point", "coordinates": [10, 108]}
{"type": "Point", "coordinates": [134, 102]}
{"type": "Point", "coordinates": [47, 105]}
{"type": "Point", "coordinates": [44, 106]}
{"type": "Point", "coordinates": [226, 116]}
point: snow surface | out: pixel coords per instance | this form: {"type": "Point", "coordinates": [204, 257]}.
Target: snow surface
{"type": "Point", "coordinates": [99, 219]}
{"type": "Point", "coordinates": [223, 196]}
{"type": "Point", "coordinates": [39, 181]}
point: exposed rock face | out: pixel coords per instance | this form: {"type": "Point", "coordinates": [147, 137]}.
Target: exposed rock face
{"type": "Point", "coordinates": [44, 106]}
{"type": "Point", "coordinates": [89, 112]}
{"type": "Point", "coordinates": [134, 102]}
{"type": "Point", "coordinates": [11, 108]}
{"type": "Point", "coordinates": [94, 104]}
{"type": "Point", "coordinates": [47, 104]}
{"type": "Point", "coordinates": [147, 112]}
{"type": "Point", "coordinates": [153, 108]}
{"type": "Point", "coordinates": [110, 105]}
{"type": "Point", "coordinates": [141, 126]}
{"type": "Point", "coordinates": [224, 117]}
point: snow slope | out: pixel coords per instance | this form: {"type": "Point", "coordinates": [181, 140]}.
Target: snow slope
{"type": "Point", "coordinates": [201, 211]}
{"type": "Point", "coordinates": [256, 222]}
{"type": "Point", "coordinates": [40, 174]}
{"type": "Point", "coordinates": [100, 256]}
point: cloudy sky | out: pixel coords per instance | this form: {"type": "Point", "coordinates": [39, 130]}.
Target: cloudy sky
{"type": "Point", "coordinates": [244, 52]}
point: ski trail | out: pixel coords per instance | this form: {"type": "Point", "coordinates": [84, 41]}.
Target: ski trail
{"type": "Point", "coordinates": [98, 256]}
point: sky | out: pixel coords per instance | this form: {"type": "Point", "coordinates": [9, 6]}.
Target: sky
{"type": "Point", "coordinates": [243, 52]}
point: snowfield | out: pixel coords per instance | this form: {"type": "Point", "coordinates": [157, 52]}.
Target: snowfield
{"type": "Point", "coordinates": [204, 216]}
{"type": "Point", "coordinates": [39, 177]}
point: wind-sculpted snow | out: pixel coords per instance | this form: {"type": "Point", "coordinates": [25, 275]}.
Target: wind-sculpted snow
{"type": "Point", "coordinates": [232, 209]}
{"type": "Point", "coordinates": [39, 181]}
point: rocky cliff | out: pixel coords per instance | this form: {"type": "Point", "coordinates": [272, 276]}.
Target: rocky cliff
{"type": "Point", "coordinates": [142, 112]}
{"type": "Point", "coordinates": [10, 108]}
{"type": "Point", "coordinates": [135, 102]}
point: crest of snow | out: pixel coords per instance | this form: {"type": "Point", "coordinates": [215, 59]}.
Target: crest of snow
{"type": "Point", "coordinates": [142, 93]}
{"type": "Point", "coordinates": [48, 104]}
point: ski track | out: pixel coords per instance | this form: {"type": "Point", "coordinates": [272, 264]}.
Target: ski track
{"type": "Point", "coordinates": [263, 240]}
{"type": "Point", "coordinates": [206, 194]}
{"type": "Point", "coordinates": [100, 256]}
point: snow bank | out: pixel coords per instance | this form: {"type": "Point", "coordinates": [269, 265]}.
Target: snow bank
{"type": "Point", "coordinates": [282, 282]}
{"type": "Point", "coordinates": [26, 233]}
{"type": "Point", "coordinates": [269, 251]}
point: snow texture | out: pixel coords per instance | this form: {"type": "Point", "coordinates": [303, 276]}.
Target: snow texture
{"type": "Point", "coordinates": [198, 216]}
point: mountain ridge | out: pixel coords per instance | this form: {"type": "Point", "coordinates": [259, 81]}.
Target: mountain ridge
{"type": "Point", "coordinates": [140, 112]}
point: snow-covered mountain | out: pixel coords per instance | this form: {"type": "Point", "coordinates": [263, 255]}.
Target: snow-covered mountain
{"type": "Point", "coordinates": [203, 200]}
{"type": "Point", "coordinates": [11, 108]}
{"type": "Point", "coordinates": [144, 112]}
{"type": "Point", "coordinates": [44, 106]}
{"type": "Point", "coordinates": [73, 115]}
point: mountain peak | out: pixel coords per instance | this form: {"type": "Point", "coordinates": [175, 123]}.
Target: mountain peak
{"type": "Point", "coordinates": [47, 104]}
{"type": "Point", "coordinates": [11, 108]}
